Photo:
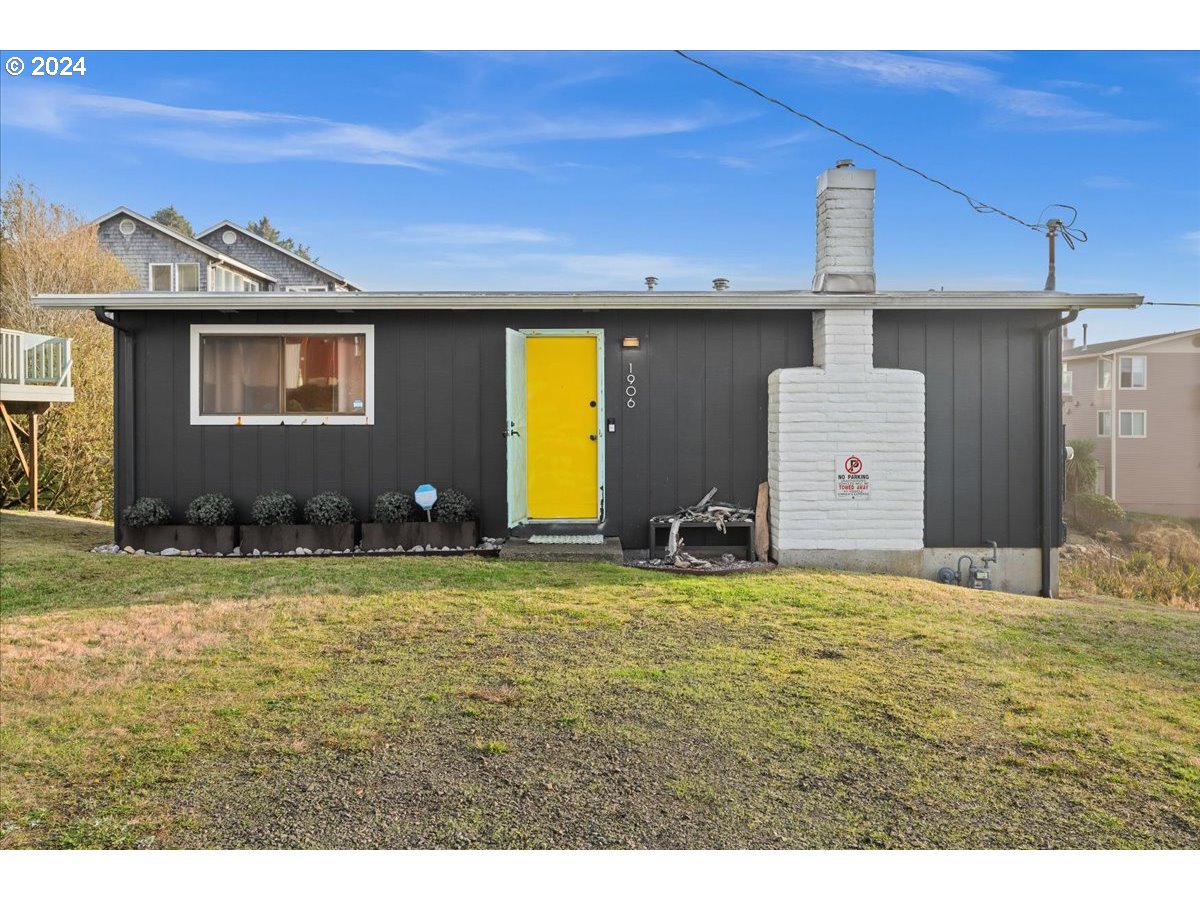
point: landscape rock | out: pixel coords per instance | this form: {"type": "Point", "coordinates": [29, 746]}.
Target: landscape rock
{"type": "Point", "coordinates": [170, 551]}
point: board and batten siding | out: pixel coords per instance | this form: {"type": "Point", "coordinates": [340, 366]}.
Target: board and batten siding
{"type": "Point", "coordinates": [700, 419]}
{"type": "Point", "coordinates": [982, 419]}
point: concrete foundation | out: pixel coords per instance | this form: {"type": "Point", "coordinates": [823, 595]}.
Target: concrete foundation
{"type": "Point", "coordinates": [1018, 571]}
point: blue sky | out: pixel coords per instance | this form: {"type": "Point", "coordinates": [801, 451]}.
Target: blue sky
{"type": "Point", "coordinates": [562, 171]}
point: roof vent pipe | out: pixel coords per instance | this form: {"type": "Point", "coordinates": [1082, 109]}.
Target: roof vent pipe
{"type": "Point", "coordinates": [1084, 347]}
{"type": "Point", "coordinates": [651, 281]}
{"type": "Point", "coordinates": [719, 284]}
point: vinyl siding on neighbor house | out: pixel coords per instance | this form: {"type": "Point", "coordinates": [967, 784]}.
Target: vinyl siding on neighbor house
{"type": "Point", "coordinates": [700, 419]}
{"type": "Point", "coordinates": [1159, 473]}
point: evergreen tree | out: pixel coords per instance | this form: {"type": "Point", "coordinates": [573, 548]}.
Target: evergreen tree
{"type": "Point", "coordinates": [264, 229]}
{"type": "Point", "coordinates": [174, 219]}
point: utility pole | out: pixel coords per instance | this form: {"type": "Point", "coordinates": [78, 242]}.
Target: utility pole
{"type": "Point", "coordinates": [1052, 226]}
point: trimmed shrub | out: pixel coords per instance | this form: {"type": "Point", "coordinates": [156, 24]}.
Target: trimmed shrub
{"type": "Point", "coordinates": [453, 506]}
{"type": "Point", "coordinates": [274, 508]}
{"type": "Point", "coordinates": [211, 509]}
{"type": "Point", "coordinates": [329, 508]}
{"type": "Point", "coordinates": [392, 508]}
{"type": "Point", "coordinates": [146, 511]}
{"type": "Point", "coordinates": [1092, 513]}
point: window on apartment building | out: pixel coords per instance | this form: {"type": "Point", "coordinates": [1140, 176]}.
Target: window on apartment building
{"type": "Point", "coordinates": [1104, 374]}
{"type": "Point", "coordinates": [282, 374]}
{"type": "Point", "coordinates": [1104, 423]}
{"type": "Point", "coordinates": [1133, 372]}
{"type": "Point", "coordinates": [1133, 423]}
{"type": "Point", "coordinates": [160, 277]}
{"type": "Point", "coordinates": [1068, 380]}
{"type": "Point", "coordinates": [187, 277]}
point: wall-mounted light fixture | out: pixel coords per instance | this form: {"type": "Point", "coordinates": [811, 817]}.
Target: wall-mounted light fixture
{"type": "Point", "coordinates": [631, 343]}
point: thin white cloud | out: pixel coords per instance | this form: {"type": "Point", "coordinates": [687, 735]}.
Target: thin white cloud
{"type": "Point", "coordinates": [1108, 182]}
{"type": "Point", "coordinates": [721, 159]}
{"type": "Point", "coordinates": [1009, 106]}
{"type": "Point", "coordinates": [232, 135]}
{"type": "Point", "coordinates": [1192, 238]}
{"type": "Point", "coordinates": [458, 233]}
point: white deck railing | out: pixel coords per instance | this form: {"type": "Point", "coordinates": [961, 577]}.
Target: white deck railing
{"type": "Point", "coordinates": [38, 359]}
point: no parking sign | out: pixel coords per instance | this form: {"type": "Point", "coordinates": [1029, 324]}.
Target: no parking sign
{"type": "Point", "coordinates": [852, 476]}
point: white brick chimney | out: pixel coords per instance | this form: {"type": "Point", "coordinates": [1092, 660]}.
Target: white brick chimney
{"type": "Point", "coordinates": [845, 230]}
{"type": "Point", "coordinates": [845, 440]}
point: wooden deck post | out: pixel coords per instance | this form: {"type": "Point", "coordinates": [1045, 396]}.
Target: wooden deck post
{"type": "Point", "coordinates": [33, 461]}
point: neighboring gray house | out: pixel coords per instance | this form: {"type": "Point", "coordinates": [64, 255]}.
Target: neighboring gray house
{"type": "Point", "coordinates": [291, 271]}
{"type": "Point", "coordinates": [225, 258]}
{"type": "Point", "coordinates": [162, 259]}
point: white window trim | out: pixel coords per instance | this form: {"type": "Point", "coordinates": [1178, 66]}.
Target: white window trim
{"type": "Point", "coordinates": [1145, 424]}
{"type": "Point", "coordinates": [306, 288]}
{"type": "Point", "coordinates": [1100, 414]}
{"type": "Point", "coordinates": [150, 277]}
{"type": "Point", "coordinates": [175, 274]}
{"type": "Point", "coordinates": [1145, 372]}
{"type": "Point", "coordinates": [1100, 385]}
{"type": "Point", "coordinates": [368, 418]}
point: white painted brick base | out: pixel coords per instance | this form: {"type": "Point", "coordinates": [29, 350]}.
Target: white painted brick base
{"type": "Point", "coordinates": [842, 405]}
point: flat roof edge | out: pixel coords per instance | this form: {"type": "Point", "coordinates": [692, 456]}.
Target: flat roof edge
{"type": "Point", "coordinates": [724, 300]}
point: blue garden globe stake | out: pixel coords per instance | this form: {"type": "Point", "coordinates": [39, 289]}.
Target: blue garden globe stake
{"type": "Point", "coordinates": [426, 496]}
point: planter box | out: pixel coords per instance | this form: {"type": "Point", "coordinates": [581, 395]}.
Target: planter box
{"type": "Point", "coordinates": [425, 534]}
{"type": "Point", "coordinates": [282, 538]}
{"type": "Point", "coordinates": [156, 538]}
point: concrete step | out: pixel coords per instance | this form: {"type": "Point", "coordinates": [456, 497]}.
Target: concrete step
{"type": "Point", "coordinates": [520, 548]}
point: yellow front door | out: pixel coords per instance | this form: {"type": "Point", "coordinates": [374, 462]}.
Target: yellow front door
{"type": "Point", "coordinates": [563, 426]}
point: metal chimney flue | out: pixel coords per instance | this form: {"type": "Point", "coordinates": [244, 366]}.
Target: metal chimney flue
{"type": "Point", "coordinates": [651, 282]}
{"type": "Point", "coordinates": [720, 284]}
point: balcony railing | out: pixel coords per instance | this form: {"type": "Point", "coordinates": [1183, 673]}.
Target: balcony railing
{"type": "Point", "coordinates": [34, 359]}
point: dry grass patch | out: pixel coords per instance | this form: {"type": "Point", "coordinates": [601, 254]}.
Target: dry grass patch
{"type": "Point", "coordinates": [69, 653]}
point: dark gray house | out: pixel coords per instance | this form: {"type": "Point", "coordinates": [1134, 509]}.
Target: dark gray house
{"type": "Point", "coordinates": [896, 430]}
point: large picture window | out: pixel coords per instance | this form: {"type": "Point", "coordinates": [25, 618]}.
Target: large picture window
{"type": "Point", "coordinates": [282, 374]}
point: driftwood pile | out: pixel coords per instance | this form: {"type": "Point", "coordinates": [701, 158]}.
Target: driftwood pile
{"type": "Point", "coordinates": [704, 511]}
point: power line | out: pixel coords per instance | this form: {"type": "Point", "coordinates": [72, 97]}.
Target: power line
{"type": "Point", "coordinates": [1070, 234]}
{"type": "Point", "coordinates": [1162, 303]}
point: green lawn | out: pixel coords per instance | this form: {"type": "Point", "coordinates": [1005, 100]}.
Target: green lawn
{"type": "Point", "coordinates": [323, 702]}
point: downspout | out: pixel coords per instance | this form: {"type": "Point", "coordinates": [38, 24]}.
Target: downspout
{"type": "Point", "coordinates": [1051, 365]}
{"type": "Point", "coordinates": [1114, 425]}
{"type": "Point", "coordinates": [122, 388]}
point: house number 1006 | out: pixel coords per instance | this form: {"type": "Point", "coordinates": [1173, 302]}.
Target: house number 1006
{"type": "Point", "coordinates": [631, 388]}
